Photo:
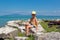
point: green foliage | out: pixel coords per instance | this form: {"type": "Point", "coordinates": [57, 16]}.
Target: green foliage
{"type": "Point", "coordinates": [21, 34]}
{"type": "Point", "coordinates": [31, 37]}
{"type": "Point", "coordinates": [46, 27]}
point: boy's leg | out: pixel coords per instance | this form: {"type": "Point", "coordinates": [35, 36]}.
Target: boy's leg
{"type": "Point", "coordinates": [27, 30]}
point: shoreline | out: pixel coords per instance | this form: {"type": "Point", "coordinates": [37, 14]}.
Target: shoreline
{"type": "Point", "coordinates": [5, 22]}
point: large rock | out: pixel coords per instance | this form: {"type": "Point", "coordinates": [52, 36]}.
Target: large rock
{"type": "Point", "coordinates": [48, 36]}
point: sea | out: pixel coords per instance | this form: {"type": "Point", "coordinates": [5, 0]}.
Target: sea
{"type": "Point", "coordinates": [4, 19]}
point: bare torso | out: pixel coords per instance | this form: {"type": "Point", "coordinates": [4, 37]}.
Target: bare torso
{"type": "Point", "coordinates": [33, 21]}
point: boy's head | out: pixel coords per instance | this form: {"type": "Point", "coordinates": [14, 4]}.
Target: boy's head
{"type": "Point", "coordinates": [33, 13]}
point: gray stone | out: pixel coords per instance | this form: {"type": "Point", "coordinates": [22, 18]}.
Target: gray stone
{"type": "Point", "coordinates": [49, 36]}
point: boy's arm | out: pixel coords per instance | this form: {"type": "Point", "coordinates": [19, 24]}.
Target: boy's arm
{"type": "Point", "coordinates": [36, 22]}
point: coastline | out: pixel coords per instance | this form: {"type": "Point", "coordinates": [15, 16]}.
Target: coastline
{"type": "Point", "coordinates": [4, 21]}
{"type": "Point", "coordinates": [47, 30]}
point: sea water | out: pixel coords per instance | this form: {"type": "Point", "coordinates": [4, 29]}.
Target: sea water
{"type": "Point", "coordinates": [5, 19]}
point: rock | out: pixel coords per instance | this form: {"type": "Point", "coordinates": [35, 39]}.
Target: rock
{"type": "Point", "coordinates": [52, 36]}
{"type": "Point", "coordinates": [49, 36]}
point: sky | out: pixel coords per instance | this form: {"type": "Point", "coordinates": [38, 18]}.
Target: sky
{"type": "Point", "coordinates": [25, 7]}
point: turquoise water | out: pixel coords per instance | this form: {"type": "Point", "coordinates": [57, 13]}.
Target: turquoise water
{"type": "Point", "coordinates": [4, 19]}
